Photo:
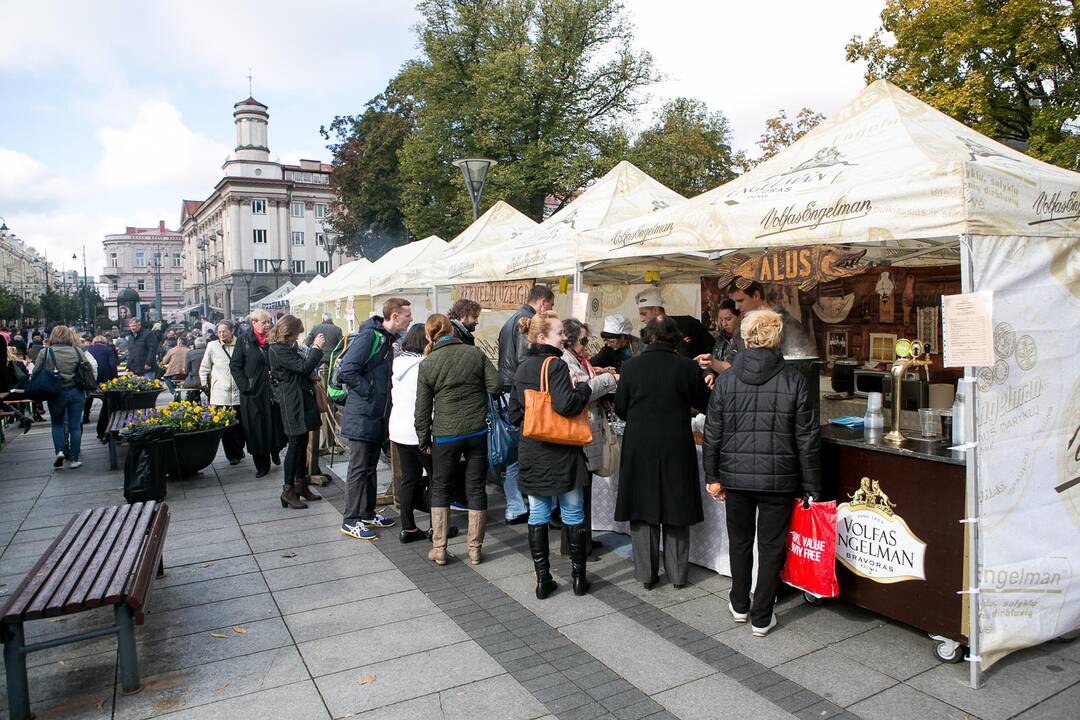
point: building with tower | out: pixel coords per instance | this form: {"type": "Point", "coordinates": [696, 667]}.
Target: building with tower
{"type": "Point", "coordinates": [262, 226]}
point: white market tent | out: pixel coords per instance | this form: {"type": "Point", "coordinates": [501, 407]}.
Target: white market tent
{"type": "Point", "coordinates": [891, 174]}
{"type": "Point", "coordinates": [501, 223]}
{"type": "Point", "coordinates": [297, 292]}
{"type": "Point", "coordinates": [277, 299]}
{"type": "Point", "coordinates": [409, 266]}
{"type": "Point", "coordinates": [350, 279]}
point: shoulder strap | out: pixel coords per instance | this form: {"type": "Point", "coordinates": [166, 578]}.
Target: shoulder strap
{"type": "Point", "coordinates": [544, 374]}
{"type": "Point", "coordinates": [375, 345]}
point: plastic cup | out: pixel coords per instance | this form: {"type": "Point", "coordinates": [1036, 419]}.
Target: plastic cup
{"type": "Point", "coordinates": [929, 423]}
{"type": "Point", "coordinates": [873, 401]}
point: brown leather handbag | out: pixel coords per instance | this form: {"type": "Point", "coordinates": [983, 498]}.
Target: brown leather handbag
{"type": "Point", "coordinates": [543, 423]}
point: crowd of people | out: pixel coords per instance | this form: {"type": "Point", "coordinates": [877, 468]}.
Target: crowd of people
{"type": "Point", "coordinates": [426, 390]}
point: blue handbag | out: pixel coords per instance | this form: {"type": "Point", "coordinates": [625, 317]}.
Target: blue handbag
{"type": "Point", "coordinates": [45, 384]}
{"type": "Point", "coordinates": [502, 435]}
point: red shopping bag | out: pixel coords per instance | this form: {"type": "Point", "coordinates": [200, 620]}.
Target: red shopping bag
{"type": "Point", "coordinates": [811, 550]}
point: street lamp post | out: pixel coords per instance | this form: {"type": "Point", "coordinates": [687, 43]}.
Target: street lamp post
{"type": "Point", "coordinates": [275, 263]}
{"type": "Point", "coordinates": [85, 283]}
{"type": "Point", "coordinates": [228, 285]}
{"type": "Point", "coordinates": [157, 283]}
{"type": "Point", "coordinates": [203, 265]}
{"type": "Point", "coordinates": [331, 245]}
{"type": "Point", "coordinates": [475, 171]}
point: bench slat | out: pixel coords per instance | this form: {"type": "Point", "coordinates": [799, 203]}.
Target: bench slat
{"type": "Point", "coordinates": [115, 560]}
{"type": "Point", "coordinates": [138, 586]}
{"type": "Point", "coordinates": [119, 580]}
{"type": "Point", "coordinates": [76, 574]}
{"type": "Point", "coordinates": [71, 553]}
{"type": "Point", "coordinates": [97, 563]}
{"type": "Point", "coordinates": [40, 573]}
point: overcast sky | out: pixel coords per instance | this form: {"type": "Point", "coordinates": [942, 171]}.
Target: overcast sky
{"type": "Point", "coordinates": [113, 112]}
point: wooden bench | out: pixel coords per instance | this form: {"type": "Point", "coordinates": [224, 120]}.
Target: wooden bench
{"type": "Point", "coordinates": [114, 432]}
{"type": "Point", "coordinates": [103, 556]}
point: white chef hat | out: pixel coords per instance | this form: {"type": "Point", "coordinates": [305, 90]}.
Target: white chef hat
{"type": "Point", "coordinates": [649, 297]}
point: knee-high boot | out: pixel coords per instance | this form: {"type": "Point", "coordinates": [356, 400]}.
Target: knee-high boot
{"type": "Point", "coordinates": [578, 557]}
{"type": "Point", "coordinates": [477, 521]}
{"type": "Point", "coordinates": [440, 518]}
{"type": "Point", "coordinates": [538, 544]}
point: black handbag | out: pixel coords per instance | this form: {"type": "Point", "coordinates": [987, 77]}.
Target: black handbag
{"type": "Point", "coordinates": [502, 435]}
{"type": "Point", "coordinates": [85, 377]}
{"type": "Point", "coordinates": [45, 383]}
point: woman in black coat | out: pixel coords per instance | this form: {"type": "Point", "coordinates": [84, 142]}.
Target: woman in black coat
{"type": "Point", "coordinates": [290, 376]}
{"type": "Point", "coordinates": [762, 449]}
{"type": "Point", "coordinates": [658, 468]}
{"type": "Point", "coordinates": [259, 415]}
{"type": "Point", "coordinates": [548, 470]}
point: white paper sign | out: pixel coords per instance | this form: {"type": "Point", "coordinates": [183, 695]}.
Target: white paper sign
{"type": "Point", "coordinates": [579, 308]}
{"type": "Point", "coordinates": [968, 334]}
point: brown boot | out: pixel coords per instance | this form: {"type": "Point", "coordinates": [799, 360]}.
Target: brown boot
{"type": "Point", "coordinates": [477, 521]}
{"type": "Point", "coordinates": [304, 490]}
{"type": "Point", "coordinates": [290, 499]}
{"type": "Point", "coordinates": [440, 518]}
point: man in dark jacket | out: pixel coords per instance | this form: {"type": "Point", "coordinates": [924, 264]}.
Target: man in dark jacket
{"type": "Point", "coordinates": [139, 361]}
{"type": "Point", "coordinates": [250, 369]}
{"type": "Point", "coordinates": [365, 371]}
{"type": "Point", "coordinates": [192, 363]}
{"type": "Point", "coordinates": [760, 467]}
{"type": "Point", "coordinates": [464, 315]}
{"type": "Point", "coordinates": [331, 336]}
{"type": "Point", "coordinates": [513, 346]}
{"type": "Point", "coordinates": [696, 338]}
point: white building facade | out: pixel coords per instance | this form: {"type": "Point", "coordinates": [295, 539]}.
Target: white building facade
{"type": "Point", "coordinates": [141, 258]}
{"type": "Point", "coordinates": [262, 226]}
{"type": "Point", "coordinates": [23, 270]}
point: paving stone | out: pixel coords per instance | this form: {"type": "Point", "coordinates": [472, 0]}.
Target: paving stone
{"type": "Point", "coordinates": [1057, 707]}
{"type": "Point", "coordinates": [382, 642]}
{"type": "Point", "coordinates": [835, 677]}
{"type": "Point", "coordinates": [185, 651]}
{"type": "Point", "coordinates": [642, 708]}
{"type": "Point", "coordinates": [322, 571]}
{"type": "Point", "coordinates": [827, 624]}
{"type": "Point", "coordinates": [562, 608]}
{"type": "Point", "coordinates": [702, 698]}
{"type": "Point", "coordinates": [798, 700]}
{"type": "Point", "coordinates": [208, 617]}
{"type": "Point", "coordinates": [820, 711]}
{"type": "Point", "coordinates": [903, 702]}
{"type": "Point", "coordinates": [336, 592]}
{"type": "Point", "coordinates": [781, 645]}
{"type": "Point", "coordinates": [301, 555]}
{"type": "Point", "coordinates": [206, 553]}
{"type": "Point", "coordinates": [197, 572]}
{"type": "Point", "coordinates": [359, 614]}
{"type": "Point", "coordinates": [647, 661]}
{"type": "Point", "coordinates": [405, 678]}
{"type": "Point", "coordinates": [198, 593]}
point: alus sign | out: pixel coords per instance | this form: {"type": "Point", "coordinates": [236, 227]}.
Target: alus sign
{"type": "Point", "coordinates": [806, 267]}
{"type": "Point", "coordinates": [874, 542]}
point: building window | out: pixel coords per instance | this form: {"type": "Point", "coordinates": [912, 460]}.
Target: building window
{"type": "Point", "coordinates": [320, 239]}
{"type": "Point", "coordinates": [262, 265]}
{"type": "Point", "coordinates": [258, 206]}
{"type": "Point", "coordinates": [112, 260]}
{"type": "Point", "coordinates": [298, 266]}
{"type": "Point", "coordinates": [322, 267]}
{"type": "Point", "coordinates": [140, 259]}
{"type": "Point", "coordinates": [176, 284]}
{"type": "Point", "coordinates": [298, 209]}
{"type": "Point", "coordinates": [260, 236]}
{"type": "Point", "coordinates": [141, 285]}
{"type": "Point", "coordinates": [297, 238]}
{"type": "Point", "coordinates": [176, 261]}
{"type": "Point", "coordinates": [320, 211]}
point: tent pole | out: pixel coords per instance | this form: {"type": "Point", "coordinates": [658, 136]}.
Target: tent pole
{"type": "Point", "coordinates": [967, 285]}
{"type": "Point", "coordinates": [577, 277]}
{"type": "Point", "coordinates": [434, 299]}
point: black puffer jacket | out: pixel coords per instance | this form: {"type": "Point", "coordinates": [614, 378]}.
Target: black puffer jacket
{"type": "Point", "coordinates": [761, 429]}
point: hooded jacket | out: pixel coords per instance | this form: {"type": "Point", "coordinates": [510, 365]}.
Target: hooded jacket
{"type": "Point", "coordinates": [366, 372]}
{"type": "Point", "coordinates": [761, 428]}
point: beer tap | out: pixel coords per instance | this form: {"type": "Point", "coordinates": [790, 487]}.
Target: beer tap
{"type": "Point", "coordinates": [908, 354]}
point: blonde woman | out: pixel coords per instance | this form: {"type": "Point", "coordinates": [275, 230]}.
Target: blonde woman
{"type": "Point", "coordinates": [65, 409]}
{"type": "Point", "coordinates": [762, 450]}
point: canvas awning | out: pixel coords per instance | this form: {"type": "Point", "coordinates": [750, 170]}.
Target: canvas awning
{"type": "Point", "coordinates": [501, 223]}
{"type": "Point", "coordinates": [352, 278]}
{"type": "Point", "coordinates": [409, 266]}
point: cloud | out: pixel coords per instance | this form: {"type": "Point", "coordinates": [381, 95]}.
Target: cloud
{"type": "Point", "coordinates": [27, 183]}
{"type": "Point", "coordinates": [157, 150]}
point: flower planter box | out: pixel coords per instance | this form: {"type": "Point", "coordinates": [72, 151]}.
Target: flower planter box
{"type": "Point", "coordinates": [196, 450]}
{"type": "Point", "coordinates": [129, 400]}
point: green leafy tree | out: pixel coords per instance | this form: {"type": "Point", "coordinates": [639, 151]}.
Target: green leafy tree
{"type": "Point", "coordinates": [780, 132]}
{"type": "Point", "coordinates": [1008, 68]}
{"type": "Point", "coordinates": [687, 148]}
{"type": "Point", "coordinates": [539, 85]}
{"type": "Point", "coordinates": [367, 174]}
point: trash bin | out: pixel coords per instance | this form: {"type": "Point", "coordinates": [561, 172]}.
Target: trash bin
{"type": "Point", "coordinates": [151, 455]}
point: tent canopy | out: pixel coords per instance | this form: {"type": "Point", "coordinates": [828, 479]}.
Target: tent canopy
{"type": "Point", "coordinates": [407, 266]}
{"type": "Point", "coordinates": [277, 298]}
{"type": "Point", "coordinates": [500, 224]}
{"type": "Point", "coordinates": [298, 292]}
{"type": "Point", "coordinates": [352, 278]}
{"type": "Point", "coordinates": [550, 248]}
{"type": "Point", "coordinates": [886, 169]}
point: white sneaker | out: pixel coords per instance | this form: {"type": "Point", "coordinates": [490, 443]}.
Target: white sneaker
{"type": "Point", "coordinates": [75, 464]}
{"type": "Point", "coordinates": [737, 616]}
{"type": "Point", "coordinates": [762, 632]}
{"type": "Point", "coordinates": [59, 461]}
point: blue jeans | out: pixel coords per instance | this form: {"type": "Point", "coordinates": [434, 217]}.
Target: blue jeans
{"type": "Point", "coordinates": [66, 410]}
{"type": "Point", "coordinates": [571, 503]}
{"type": "Point", "coordinates": [515, 503]}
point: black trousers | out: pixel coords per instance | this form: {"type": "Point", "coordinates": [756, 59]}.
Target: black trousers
{"type": "Point", "coordinates": [445, 457]}
{"type": "Point", "coordinates": [295, 459]}
{"type": "Point", "coordinates": [233, 439]}
{"type": "Point", "coordinates": [415, 481]}
{"type": "Point", "coordinates": [772, 512]}
{"type": "Point", "coordinates": [360, 481]}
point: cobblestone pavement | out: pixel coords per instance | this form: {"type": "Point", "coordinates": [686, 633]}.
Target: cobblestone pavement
{"type": "Point", "coordinates": [270, 613]}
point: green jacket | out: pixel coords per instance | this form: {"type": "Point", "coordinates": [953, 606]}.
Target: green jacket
{"type": "Point", "coordinates": [453, 384]}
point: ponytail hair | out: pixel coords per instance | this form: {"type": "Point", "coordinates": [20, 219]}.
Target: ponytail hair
{"type": "Point", "coordinates": [539, 324]}
{"type": "Point", "coordinates": [436, 326]}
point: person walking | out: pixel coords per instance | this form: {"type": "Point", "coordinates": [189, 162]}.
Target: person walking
{"type": "Point", "coordinates": [65, 409]}
{"type": "Point", "coordinates": [602, 386]}
{"type": "Point", "coordinates": [415, 485]}
{"type": "Point", "coordinates": [139, 360]}
{"type": "Point", "coordinates": [453, 384]}
{"type": "Point", "coordinates": [762, 449]}
{"type": "Point", "coordinates": [192, 382]}
{"type": "Point", "coordinates": [513, 347]}
{"type": "Point", "coordinates": [214, 372]}
{"type": "Point", "coordinates": [259, 416]}
{"type": "Point", "coordinates": [365, 370]}
{"type": "Point", "coordinates": [658, 468]}
{"type": "Point", "coordinates": [107, 361]}
{"type": "Point", "coordinates": [293, 387]}
{"type": "Point", "coordinates": [550, 470]}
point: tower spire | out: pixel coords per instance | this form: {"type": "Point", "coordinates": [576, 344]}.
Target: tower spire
{"type": "Point", "coordinates": [250, 77]}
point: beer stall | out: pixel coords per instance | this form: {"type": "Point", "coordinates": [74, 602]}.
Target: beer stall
{"type": "Point", "coordinates": [865, 229]}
